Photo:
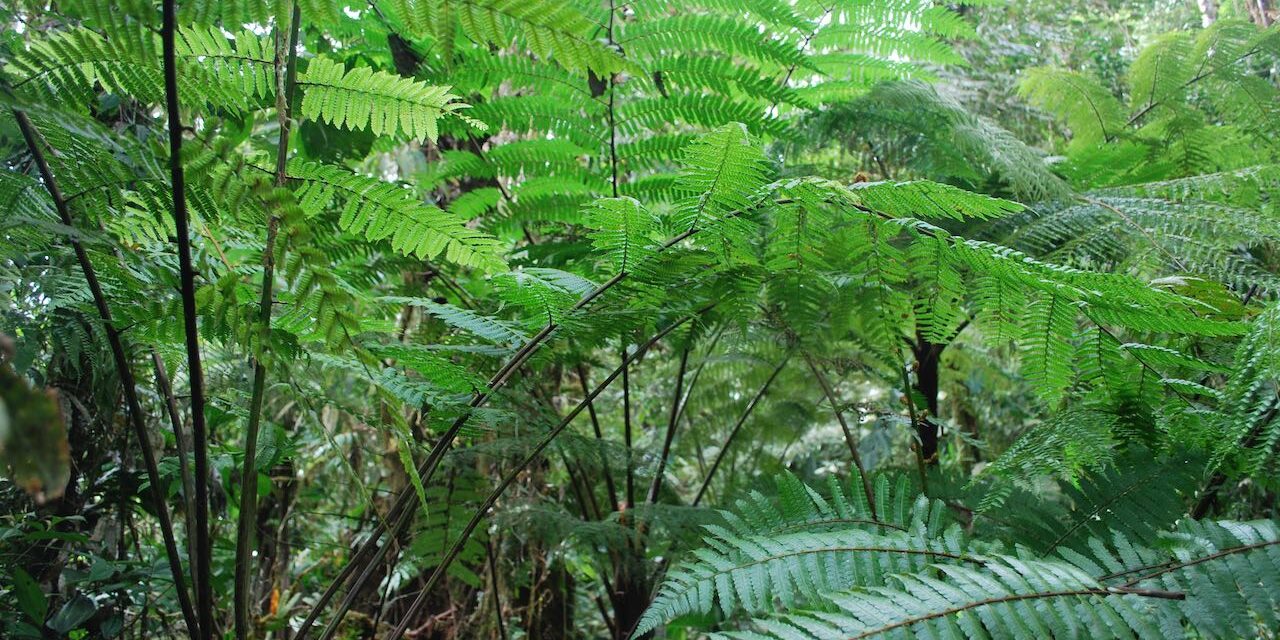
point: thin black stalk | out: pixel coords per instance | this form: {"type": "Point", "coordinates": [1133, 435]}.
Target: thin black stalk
{"type": "Point", "coordinates": [195, 372]}
{"type": "Point", "coordinates": [285, 65]}
{"type": "Point", "coordinates": [510, 477]}
{"type": "Point", "coordinates": [595, 427]}
{"type": "Point", "coordinates": [497, 598]}
{"type": "Point", "coordinates": [677, 398]}
{"type": "Point", "coordinates": [697, 373]}
{"type": "Point", "coordinates": [613, 125]}
{"type": "Point", "coordinates": [353, 591]}
{"type": "Point", "coordinates": [127, 382]}
{"type": "Point", "coordinates": [848, 434]}
{"type": "Point", "coordinates": [737, 426]}
{"type": "Point", "coordinates": [183, 442]}
{"type": "Point", "coordinates": [627, 436]}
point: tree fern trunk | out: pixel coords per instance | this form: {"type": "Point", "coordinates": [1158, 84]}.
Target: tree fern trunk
{"type": "Point", "coordinates": [928, 355]}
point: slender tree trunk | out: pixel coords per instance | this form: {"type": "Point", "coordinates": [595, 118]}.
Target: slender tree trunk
{"type": "Point", "coordinates": [928, 356]}
{"type": "Point", "coordinates": [1208, 12]}
{"type": "Point", "coordinates": [195, 372]}
{"type": "Point", "coordinates": [285, 60]}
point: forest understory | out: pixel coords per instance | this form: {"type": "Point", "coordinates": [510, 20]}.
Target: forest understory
{"type": "Point", "coordinates": [631, 319]}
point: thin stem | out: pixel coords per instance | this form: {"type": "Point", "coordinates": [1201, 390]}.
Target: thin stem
{"type": "Point", "coordinates": [627, 439]}
{"type": "Point", "coordinates": [848, 434]}
{"type": "Point", "coordinates": [182, 440]}
{"type": "Point", "coordinates": [497, 599]}
{"type": "Point", "coordinates": [195, 372]}
{"type": "Point", "coordinates": [677, 396]}
{"type": "Point", "coordinates": [595, 427]}
{"type": "Point", "coordinates": [285, 65]}
{"type": "Point", "coordinates": [733, 433]}
{"type": "Point", "coordinates": [127, 382]}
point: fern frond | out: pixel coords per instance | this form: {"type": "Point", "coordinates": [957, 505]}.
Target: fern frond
{"type": "Point", "coordinates": [931, 200]}
{"type": "Point", "coordinates": [937, 306]}
{"type": "Point", "coordinates": [1007, 598]}
{"type": "Point", "coordinates": [381, 102]}
{"type": "Point", "coordinates": [1093, 114]}
{"type": "Point", "coordinates": [1049, 325]}
{"type": "Point", "coordinates": [380, 210]}
{"type": "Point", "coordinates": [788, 553]}
{"type": "Point", "coordinates": [723, 170]}
{"type": "Point", "coordinates": [623, 232]}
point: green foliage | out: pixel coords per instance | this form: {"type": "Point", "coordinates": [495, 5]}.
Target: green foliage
{"type": "Point", "coordinates": [581, 268]}
{"type": "Point", "coordinates": [381, 102]}
{"type": "Point", "coordinates": [1206, 576]}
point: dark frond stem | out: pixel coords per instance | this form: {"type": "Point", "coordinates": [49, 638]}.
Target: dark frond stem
{"type": "Point", "coordinates": [285, 66]}
{"type": "Point", "coordinates": [1175, 565]}
{"type": "Point", "coordinates": [127, 383]}
{"type": "Point", "coordinates": [511, 476]}
{"type": "Point", "coordinates": [497, 599]}
{"type": "Point", "coordinates": [804, 45]}
{"type": "Point", "coordinates": [1194, 79]}
{"type": "Point", "coordinates": [697, 374]}
{"type": "Point", "coordinates": [626, 431]}
{"type": "Point", "coordinates": [595, 427]}
{"type": "Point", "coordinates": [848, 434]}
{"type": "Point", "coordinates": [677, 398]}
{"type": "Point", "coordinates": [183, 441]}
{"type": "Point", "coordinates": [613, 126]}
{"type": "Point", "coordinates": [187, 275]}
{"type": "Point", "coordinates": [737, 426]}
{"type": "Point", "coordinates": [1139, 228]}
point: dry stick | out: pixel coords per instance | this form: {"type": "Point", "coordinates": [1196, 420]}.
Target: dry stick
{"type": "Point", "coordinates": [733, 433]}
{"type": "Point", "coordinates": [848, 434]}
{"type": "Point", "coordinates": [195, 373]}
{"type": "Point", "coordinates": [184, 465]}
{"type": "Point", "coordinates": [656, 484]}
{"type": "Point", "coordinates": [127, 382]}
{"type": "Point", "coordinates": [511, 475]}
{"type": "Point", "coordinates": [285, 66]}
